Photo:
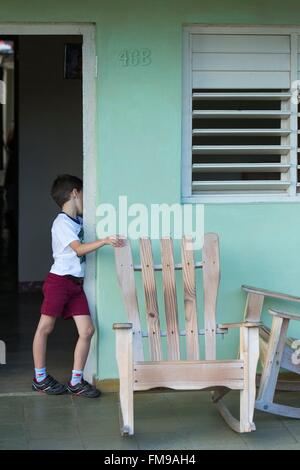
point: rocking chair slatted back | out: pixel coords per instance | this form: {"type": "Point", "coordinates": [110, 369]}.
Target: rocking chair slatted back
{"type": "Point", "coordinates": [211, 276]}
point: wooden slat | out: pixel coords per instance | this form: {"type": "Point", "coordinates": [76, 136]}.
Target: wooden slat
{"type": "Point", "coordinates": [237, 132]}
{"type": "Point", "coordinates": [152, 312]}
{"type": "Point", "coordinates": [211, 279]}
{"type": "Point", "coordinates": [270, 293]}
{"type": "Point", "coordinates": [242, 185]}
{"type": "Point", "coordinates": [221, 330]}
{"type": "Point", "coordinates": [239, 167]}
{"type": "Point", "coordinates": [232, 422]}
{"type": "Point", "coordinates": [170, 298]}
{"type": "Point", "coordinates": [227, 79]}
{"type": "Point", "coordinates": [236, 62]}
{"type": "Point", "coordinates": [245, 324]}
{"type": "Point", "coordinates": [241, 95]}
{"type": "Point", "coordinates": [286, 362]}
{"type": "Point", "coordinates": [278, 409]}
{"type": "Point", "coordinates": [249, 114]}
{"type": "Point", "coordinates": [125, 366]}
{"type": "Point", "coordinates": [125, 275]}
{"type": "Point", "coordinates": [241, 149]}
{"type": "Point", "coordinates": [241, 43]}
{"type": "Point", "coordinates": [253, 307]}
{"type": "Point", "coordinates": [249, 353]}
{"type": "Point", "coordinates": [273, 360]}
{"type": "Point", "coordinates": [281, 314]}
{"type": "Point", "coordinates": [190, 305]}
{"type": "Point", "coordinates": [189, 375]}
{"type": "Point", "coordinates": [158, 267]}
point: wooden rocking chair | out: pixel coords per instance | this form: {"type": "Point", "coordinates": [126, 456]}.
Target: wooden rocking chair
{"type": "Point", "coordinates": [218, 376]}
{"type": "Point", "coordinates": [276, 351]}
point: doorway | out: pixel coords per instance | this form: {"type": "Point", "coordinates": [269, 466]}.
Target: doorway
{"type": "Point", "coordinates": [8, 166]}
{"type": "Point", "coordinates": [52, 102]}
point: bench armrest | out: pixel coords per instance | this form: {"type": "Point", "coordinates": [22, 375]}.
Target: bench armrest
{"type": "Point", "coordinates": [286, 315]}
{"type": "Point", "coordinates": [269, 293]}
{"type": "Point", "coordinates": [122, 326]}
{"type": "Point", "coordinates": [247, 324]}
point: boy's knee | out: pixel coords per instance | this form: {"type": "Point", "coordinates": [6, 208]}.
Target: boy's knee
{"type": "Point", "coordinates": [45, 329]}
{"type": "Point", "coordinates": [87, 332]}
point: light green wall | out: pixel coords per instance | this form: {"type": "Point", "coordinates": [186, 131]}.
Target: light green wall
{"type": "Point", "coordinates": [139, 139]}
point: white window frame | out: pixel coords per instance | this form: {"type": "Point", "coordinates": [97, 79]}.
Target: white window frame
{"type": "Point", "coordinates": [186, 154]}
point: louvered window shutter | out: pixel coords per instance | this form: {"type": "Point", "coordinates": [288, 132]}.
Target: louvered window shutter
{"type": "Point", "coordinates": [243, 124]}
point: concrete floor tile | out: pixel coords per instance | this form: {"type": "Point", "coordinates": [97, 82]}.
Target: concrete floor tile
{"type": "Point", "coordinates": [156, 424]}
{"type": "Point", "coordinates": [92, 403]}
{"type": "Point", "coordinates": [98, 428]}
{"type": "Point", "coordinates": [216, 443]}
{"type": "Point", "coordinates": [14, 444]}
{"type": "Point", "coordinates": [111, 443]}
{"type": "Point", "coordinates": [97, 413]}
{"type": "Point", "coordinates": [11, 410]}
{"type": "Point", "coordinates": [48, 401]}
{"type": "Point", "coordinates": [268, 439]}
{"type": "Point", "coordinates": [293, 427]}
{"type": "Point", "coordinates": [42, 429]}
{"type": "Point", "coordinates": [12, 431]}
{"type": "Point", "coordinates": [49, 414]}
{"type": "Point", "coordinates": [56, 444]}
{"type": "Point", "coordinates": [161, 441]}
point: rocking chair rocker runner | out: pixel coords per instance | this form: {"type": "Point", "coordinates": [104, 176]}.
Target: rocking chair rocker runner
{"type": "Point", "coordinates": [218, 376]}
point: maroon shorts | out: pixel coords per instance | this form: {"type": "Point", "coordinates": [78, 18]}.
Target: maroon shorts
{"type": "Point", "coordinates": [63, 297]}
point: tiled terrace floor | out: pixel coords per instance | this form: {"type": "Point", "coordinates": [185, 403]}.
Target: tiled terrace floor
{"type": "Point", "coordinates": [182, 420]}
{"type": "Point", "coordinates": [170, 420]}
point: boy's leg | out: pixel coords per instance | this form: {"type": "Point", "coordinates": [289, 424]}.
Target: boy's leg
{"type": "Point", "coordinates": [48, 385]}
{"type": "Point", "coordinates": [77, 385]}
{"type": "Point", "coordinates": [45, 327]}
{"type": "Point", "coordinates": [85, 330]}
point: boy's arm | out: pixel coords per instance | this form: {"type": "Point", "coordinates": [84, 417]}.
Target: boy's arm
{"type": "Point", "coordinates": [85, 248]}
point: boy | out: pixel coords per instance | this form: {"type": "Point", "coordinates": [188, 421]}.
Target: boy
{"type": "Point", "coordinates": [63, 289]}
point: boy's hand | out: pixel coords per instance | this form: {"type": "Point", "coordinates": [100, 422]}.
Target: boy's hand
{"type": "Point", "coordinates": [117, 241]}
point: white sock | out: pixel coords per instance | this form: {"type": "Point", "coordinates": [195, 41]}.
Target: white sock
{"type": "Point", "coordinates": [40, 374]}
{"type": "Point", "coordinates": [76, 377]}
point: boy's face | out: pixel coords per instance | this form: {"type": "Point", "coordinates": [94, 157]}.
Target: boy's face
{"type": "Point", "coordinates": [79, 201]}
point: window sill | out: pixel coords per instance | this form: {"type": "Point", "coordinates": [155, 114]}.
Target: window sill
{"type": "Point", "coordinates": [239, 199]}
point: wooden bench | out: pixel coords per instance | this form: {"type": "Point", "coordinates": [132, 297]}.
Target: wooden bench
{"type": "Point", "coordinates": [180, 370]}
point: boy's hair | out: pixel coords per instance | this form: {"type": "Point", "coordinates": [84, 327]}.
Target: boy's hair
{"type": "Point", "coordinates": [62, 187]}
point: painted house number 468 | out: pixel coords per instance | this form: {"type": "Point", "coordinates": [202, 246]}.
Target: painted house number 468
{"type": "Point", "coordinates": [135, 57]}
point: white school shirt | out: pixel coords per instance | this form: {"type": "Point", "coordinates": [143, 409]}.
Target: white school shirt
{"type": "Point", "coordinates": [66, 229]}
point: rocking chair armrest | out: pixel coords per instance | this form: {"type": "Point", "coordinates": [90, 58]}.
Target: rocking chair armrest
{"type": "Point", "coordinates": [122, 326]}
{"type": "Point", "coordinates": [285, 315]}
{"type": "Point", "coordinates": [246, 324]}
{"type": "Point", "coordinates": [269, 293]}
